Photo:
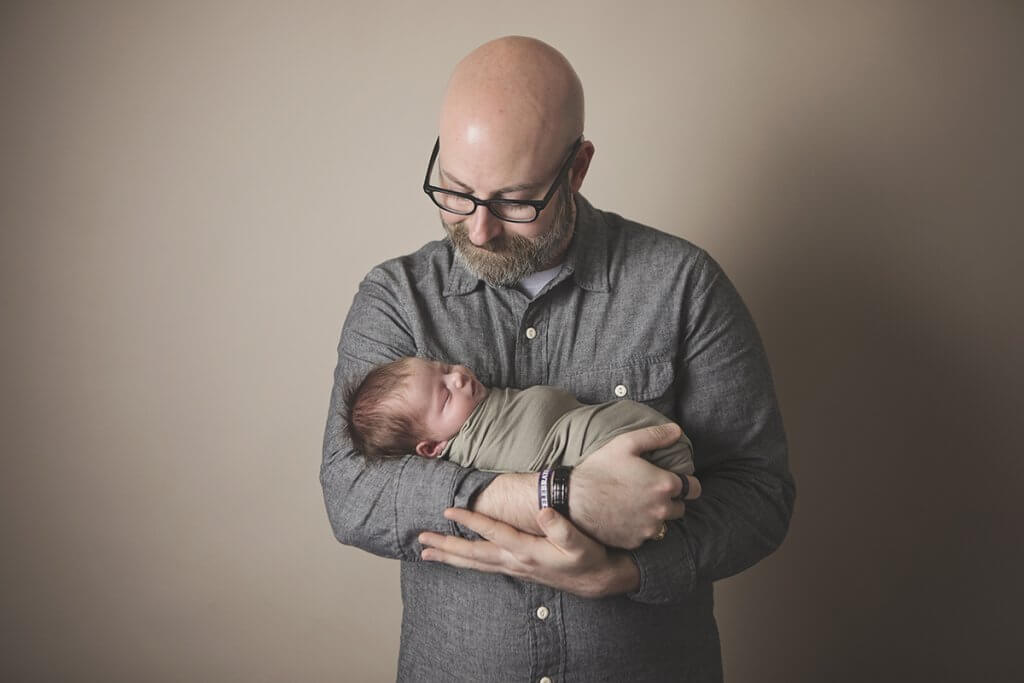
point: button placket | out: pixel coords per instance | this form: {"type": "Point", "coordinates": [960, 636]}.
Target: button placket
{"type": "Point", "coordinates": [531, 346]}
{"type": "Point", "coordinates": [545, 617]}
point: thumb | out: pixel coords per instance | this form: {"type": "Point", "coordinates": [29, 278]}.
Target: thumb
{"type": "Point", "coordinates": [652, 438]}
{"type": "Point", "coordinates": [557, 528]}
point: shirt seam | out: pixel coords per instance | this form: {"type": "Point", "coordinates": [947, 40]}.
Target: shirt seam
{"type": "Point", "coordinates": [638, 594]}
{"type": "Point", "coordinates": [705, 259]}
{"type": "Point", "coordinates": [453, 528]}
{"type": "Point", "coordinates": [398, 487]}
{"type": "Point", "coordinates": [691, 565]}
{"type": "Point", "coordinates": [630, 361]}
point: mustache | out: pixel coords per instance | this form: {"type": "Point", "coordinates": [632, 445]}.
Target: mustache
{"type": "Point", "coordinates": [503, 261]}
{"type": "Point", "coordinates": [508, 257]}
{"type": "Point", "coordinates": [459, 233]}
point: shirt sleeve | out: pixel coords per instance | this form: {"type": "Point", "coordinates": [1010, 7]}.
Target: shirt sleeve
{"type": "Point", "coordinates": [381, 507]}
{"type": "Point", "coordinates": [726, 403]}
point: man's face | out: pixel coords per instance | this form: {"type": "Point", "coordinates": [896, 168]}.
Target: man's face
{"type": "Point", "coordinates": [509, 256]}
{"type": "Point", "coordinates": [441, 397]}
{"type": "Point", "coordinates": [503, 252]}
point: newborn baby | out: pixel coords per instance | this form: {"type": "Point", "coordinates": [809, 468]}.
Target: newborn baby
{"type": "Point", "coordinates": [414, 405]}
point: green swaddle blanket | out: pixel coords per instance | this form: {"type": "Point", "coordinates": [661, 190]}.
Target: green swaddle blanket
{"type": "Point", "coordinates": [532, 429]}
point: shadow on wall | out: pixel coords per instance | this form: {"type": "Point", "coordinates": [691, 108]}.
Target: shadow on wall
{"type": "Point", "coordinates": [883, 279]}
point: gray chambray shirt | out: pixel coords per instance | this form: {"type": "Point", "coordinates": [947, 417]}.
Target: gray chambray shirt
{"type": "Point", "coordinates": [632, 308]}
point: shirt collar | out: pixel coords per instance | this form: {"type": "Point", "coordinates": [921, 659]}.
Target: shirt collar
{"type": "Point", "coordinates": [586, 258]}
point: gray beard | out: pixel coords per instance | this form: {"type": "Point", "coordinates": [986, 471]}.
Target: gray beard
{"type": "Point", "coordinates": [509, 258]}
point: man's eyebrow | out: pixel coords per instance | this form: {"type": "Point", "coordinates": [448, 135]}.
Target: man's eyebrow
{"type": "Point", "coordinates": [505, 190]}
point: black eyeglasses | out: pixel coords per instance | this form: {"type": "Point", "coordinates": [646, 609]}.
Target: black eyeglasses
{"type": "Point", "coordinates": [511, 210]}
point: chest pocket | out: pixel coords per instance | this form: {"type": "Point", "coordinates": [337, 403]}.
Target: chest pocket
{"type": "Point", "coordinates": [644, 381]}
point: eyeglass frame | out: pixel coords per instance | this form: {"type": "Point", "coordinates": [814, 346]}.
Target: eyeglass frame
{"type": "Point", "coordinates": [537, 204]}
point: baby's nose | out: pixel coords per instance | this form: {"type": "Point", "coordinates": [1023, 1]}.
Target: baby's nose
{"type": "Point", "coordinates": [459, 379]}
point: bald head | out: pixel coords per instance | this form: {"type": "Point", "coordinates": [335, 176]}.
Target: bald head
{"type": "Point", "coordinates": [512, 114]}
{"type": "Point", "coordinates": [512, 97]}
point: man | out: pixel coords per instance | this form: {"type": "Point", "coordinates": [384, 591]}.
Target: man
{"type": "Point", "coordinates": [536, 286]}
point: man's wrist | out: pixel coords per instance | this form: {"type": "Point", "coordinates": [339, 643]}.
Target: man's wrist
{"type": "Point", "coordinates": [623, 575]}
{"type": "Point", "coordinates": [579, 513]}
{"type": "Point", "coordinates": [511, 498]}
{"type": "Point", "coordinates": [553, 490]}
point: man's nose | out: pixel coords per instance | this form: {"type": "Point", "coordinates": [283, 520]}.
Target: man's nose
{"type": "Point", "coordinates": [483, 226]}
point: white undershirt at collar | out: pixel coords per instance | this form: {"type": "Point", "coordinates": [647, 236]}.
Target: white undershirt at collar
{"type": "Point", "coordinates": [534, 282]}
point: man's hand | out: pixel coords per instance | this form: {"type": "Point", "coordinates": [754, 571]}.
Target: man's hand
{"type": "Point", "coordinates": [564, 558]}
{"type": "Point", "coordinates": [619, 498]}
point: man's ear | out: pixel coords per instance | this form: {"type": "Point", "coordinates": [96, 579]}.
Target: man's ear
{"type": "Point", "coordinates": [430, 449]}
{"type": "Point", "coordinates": [579, 169]}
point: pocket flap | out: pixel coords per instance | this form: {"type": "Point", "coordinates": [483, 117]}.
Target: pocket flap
{"type": "Point", "coordinates": [640, 381]}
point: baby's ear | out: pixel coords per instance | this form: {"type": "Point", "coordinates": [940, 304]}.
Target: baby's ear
{"type": "Point", "coordinates": [430, 449]}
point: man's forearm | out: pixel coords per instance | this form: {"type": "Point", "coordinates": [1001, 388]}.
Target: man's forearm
{"type": "Point", "coordinates": [616, 496]}
{"type": "Point", "coordinates": [511, 498]}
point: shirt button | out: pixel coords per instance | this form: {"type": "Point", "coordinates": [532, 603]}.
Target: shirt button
{"type": "Point", "coordinates": [620, 390]}
{"type": "Point", "coordinates": [543, 612]}
{"type": "Point", "coordinates": [545, 680]}
{"type": "Point", "coordinates": [530, 333]}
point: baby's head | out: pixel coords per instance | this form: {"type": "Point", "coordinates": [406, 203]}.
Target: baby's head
{"type": "Point", "coordinates": [411, 405]}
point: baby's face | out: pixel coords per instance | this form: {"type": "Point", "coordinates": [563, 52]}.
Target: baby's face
{"type": "Point", "coordinates": [442, 397]}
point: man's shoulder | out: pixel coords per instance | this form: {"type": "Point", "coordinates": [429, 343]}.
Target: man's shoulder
{"type": "Point", "coordinates": [639, 252]}
{"type": "Point", "coordinates": [432, 260]}
{"type": "Point", "coordinates": [632, 239]}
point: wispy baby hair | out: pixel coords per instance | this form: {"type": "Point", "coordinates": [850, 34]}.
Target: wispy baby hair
{"type": "Point", "coordinates": [376, 423]}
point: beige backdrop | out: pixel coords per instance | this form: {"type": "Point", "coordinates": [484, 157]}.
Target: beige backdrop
{"type": "Point", "coordinates": [192, 192]}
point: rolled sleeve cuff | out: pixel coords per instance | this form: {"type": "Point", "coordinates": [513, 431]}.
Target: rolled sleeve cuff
{"type": "Point", "coordinates": [465, 489]}
{"type": "Point", "coordinates": [417, 508]}
{"type": "Point", "coordinates": [667, 571]}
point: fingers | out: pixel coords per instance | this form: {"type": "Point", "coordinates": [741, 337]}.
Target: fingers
{"type": "Point", "coordinates": [685, 487]}
{"type": "Point", "coordinates": [502, 552]}
{"type": "Point", "coordinates": [676, 510]}
{"type": "Point", "coordinates": [454, 560]}
{"type": "Point", "coordinates": [691, 488]}
{"type": "Point", "coordinates": [504, 543]}
{"type": "Point", "coordinates": [453, 546]}
{"type": "Point", "coordinates": [688, 490]}
{"type": "Point", "coordinates": [502, 534]}
{"type": "Point", "coordinates": [558, 529]}
{"type": "Point", "coordinates": [651, 438]}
